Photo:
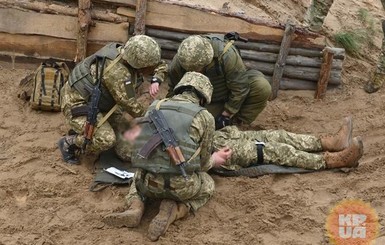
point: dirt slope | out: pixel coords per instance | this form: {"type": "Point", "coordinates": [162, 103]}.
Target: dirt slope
{"type": "Point", "coordinates": [42, 202]}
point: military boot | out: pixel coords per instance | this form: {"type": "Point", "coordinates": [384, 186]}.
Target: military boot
{"type": "Point", "coordinates": [375, 84]}
{"type": "Point", "coordinates": [341, 140]}
{"type": "Point", "coordinates": [130, 218]}
{"type": "Point", "coordinates": [68, 149]}
{"type": "Point", "coordinates": [169, 211]}
{"type": "Point", "coordinates": [347, 158]}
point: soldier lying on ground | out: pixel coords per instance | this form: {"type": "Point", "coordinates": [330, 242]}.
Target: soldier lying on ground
{"type": "Point", "coordinates": [157, 177]}
{"type": "Point", "coordinates": [123, 66]}
{"type": "Point", "coordinates": [289, 149]}
{"type": "Point", "coordinates": [239, 94]}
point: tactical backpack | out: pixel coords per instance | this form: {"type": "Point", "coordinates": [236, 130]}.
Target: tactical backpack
{"type": "Point", "coordinates": [48, 79]}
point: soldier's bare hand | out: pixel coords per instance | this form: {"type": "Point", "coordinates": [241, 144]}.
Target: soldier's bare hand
{"type": "Point", "coordinates": [221, 156]}
{"type": "Point", "coordinates": [154, 89]}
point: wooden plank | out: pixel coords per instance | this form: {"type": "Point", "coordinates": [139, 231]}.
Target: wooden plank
{"type": "Point", "coordinates": [140, 17]}
{"type": "Point", "coordinates": [19, 22]}
{"type": "Point", "coordinates": [52, 8]}
{"type": "Point", "coordinates": [281, 61]}
{"type": "Point", "coordinates": [179, 18]}
{"type": "Point", "coordinates": [84, 22]}
{"type": "Point", "coordinates": [42, 47]}
{"type": "Point", "coordinates": [324, 73]}
{"type": "Point", "coordinates": [297, 84]}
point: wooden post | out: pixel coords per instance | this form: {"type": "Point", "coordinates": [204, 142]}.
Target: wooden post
{"type": "Point", "coordinates": [324, 73]}
{"type": "Point", "coordinates": [280, 64]}
{"type": "Point", "coordinates": [140, 17]}
{"type": "Point", "coordinates": [84, 22]}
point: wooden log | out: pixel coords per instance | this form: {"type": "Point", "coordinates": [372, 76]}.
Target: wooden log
{"type": "Point", "coordinates": [65, 26]}
{"type": "Point", "coordinates": [84, 22]}
{"type": "Point", "coordinates": [303, 73]}
{"type": "Point", "coordinates": [172, 17]}
{"type": "Point", "coordinates": [295, 60]}
{"type": "Point", "coordinates": [51, 8]}
{"type": "Point", "coordinates": [42, 47]}
{"type": "Point", "coordinates": [251, 45]}
{"type": "Point", "coordinates": [324, 73]}
{"type": "Point", "coordinates": [281, 61]}
{"type": "Point", "coordinates": [140, 17]}
{"type": "Point", "coordinates": [297, 84]}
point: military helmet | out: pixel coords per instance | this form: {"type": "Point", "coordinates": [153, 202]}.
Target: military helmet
{"type": "Point", "coordinates": [141, 51]}
{"type": "Point", "coordinates": [195, 52]}
{"type": "Point", "coordinates": [198, 81]}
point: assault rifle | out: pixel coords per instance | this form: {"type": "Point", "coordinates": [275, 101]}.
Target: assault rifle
{"type": "Point", "coordinates": [167, 136]}
{"type": "Point", "coordinates": [235, 36]}
{"type": "Point", "coordinates": [93, 107]}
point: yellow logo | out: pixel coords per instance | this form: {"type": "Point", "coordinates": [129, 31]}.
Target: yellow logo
{"type": "Point", "coordinates": [352, 222]}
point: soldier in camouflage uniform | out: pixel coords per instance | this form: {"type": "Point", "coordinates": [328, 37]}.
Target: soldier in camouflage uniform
{"type": "Point", "coordinates": [239, 94]}
{"type": "Point", "coordinates": [124, 64]}
{"type": "Point", "coordinates": [289, 149]}
{"type": "Point", "coordinates": [156, 177]}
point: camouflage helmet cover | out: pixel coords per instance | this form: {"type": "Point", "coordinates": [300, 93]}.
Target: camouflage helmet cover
{"type": "Point", "coordinates": [199, 81]}
{"type": "Point", "coordinates": [141, 51]}
{"type": "Point", "coordinates": [195, 52]}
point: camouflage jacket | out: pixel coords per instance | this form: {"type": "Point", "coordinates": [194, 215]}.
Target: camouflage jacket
{"type": "Point", "coordinates": [114, 81]}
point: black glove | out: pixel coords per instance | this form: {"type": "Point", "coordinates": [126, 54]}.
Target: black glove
{"type": "Point", "coordinates": [222, 121]}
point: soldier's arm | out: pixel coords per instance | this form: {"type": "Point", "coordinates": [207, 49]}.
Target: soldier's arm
{"type": "Point", "coordinates": [114, 81]}
{"type": "Point", "coordinates": [236, 81]}
{"type": "Point", "coordinates": [160, 71]}
{"type": "Point", "coordinates": [175, 74]}
{"type": "Point", "coordinates": [202, 131]}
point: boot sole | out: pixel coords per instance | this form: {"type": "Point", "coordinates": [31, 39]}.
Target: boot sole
{"type": "Point", "coordinates": [161, 222]}
{"type": "Point", "coordinates": [120, 220]}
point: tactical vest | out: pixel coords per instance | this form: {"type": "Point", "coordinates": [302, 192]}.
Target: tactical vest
{"type": "Point", "coordinates": [215, 70]}
{"type": "Point", "coordinates": [179, 117]}
{"type": "Point", "coordinates": [81, 79]}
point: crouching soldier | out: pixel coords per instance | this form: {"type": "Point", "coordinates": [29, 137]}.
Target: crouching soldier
{"type": "Point", "coordinates": [118, 69]}
{"type": "Point", "coordinates": [284, 148]}
{"type": "Point", "coordinates": [239, 94]}
{"type": "Point", "coordinates": [182, 187]}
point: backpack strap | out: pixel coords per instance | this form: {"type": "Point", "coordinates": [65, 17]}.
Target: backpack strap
{"type": "Point", "coordinates": [54, 88]}
{"type": "Point", "coordinates": [42, 85]}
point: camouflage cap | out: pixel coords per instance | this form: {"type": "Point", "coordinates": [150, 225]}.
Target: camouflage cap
{"type": "Point", "coordinates": [195, 52]}
{"type": "Point", "coordinates": [141, 51]}
{"type": "Point", "coordinates": [199, 81]}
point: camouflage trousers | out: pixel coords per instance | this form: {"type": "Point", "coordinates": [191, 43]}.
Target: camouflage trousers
{"type": "Point", "coordinates": [194, 192]}
{"type": "Point", "coordinates": [281, 147]}
{"type": "Point", "coordinates": [255, 102]}
{"type": "Point", "coordinates": [105, 137]}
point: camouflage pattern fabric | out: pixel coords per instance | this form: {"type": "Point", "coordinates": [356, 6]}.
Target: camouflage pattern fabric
{"type": "Point", "coordinates": [194, 53]}
{"type": "Point", "coordinates": [141, 51]}
{"type": "Point", "coordinates": [197, 190]}
{"type": "Point", "coordinates": [281, 147]}
{"type": "Point", "coordinates": [199, 81]}
{"type": "Point", "coordinates": [232, 87]}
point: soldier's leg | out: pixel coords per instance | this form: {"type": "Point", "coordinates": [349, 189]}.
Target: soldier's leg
{"type": "Point", "coordinates": [215, 108]}
{"type": "Point", "coordinates": [133, 215]}
{"type": "Point", "coordinates": [170, 210]}
{"type": "Point", "coordinates": [103, 138]}
{"type": "Point", "coordinates": [287, 155]}
{"type": "Point", "coordinates": [256, 101]}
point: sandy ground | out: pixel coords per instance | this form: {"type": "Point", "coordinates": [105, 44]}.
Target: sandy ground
{"type": "Point", "coordinates": [44, 201]}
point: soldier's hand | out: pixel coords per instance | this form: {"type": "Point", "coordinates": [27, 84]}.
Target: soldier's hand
{"type": "Point", "coordinates": [154, 89]}
{"type": "Point", "coordinates": [221, 156]}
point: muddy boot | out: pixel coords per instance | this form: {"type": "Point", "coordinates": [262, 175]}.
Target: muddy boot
{"type": "Point", "coordinates": [341, 140]}
{"type": "Point", "coordinates": [68, 149]}
{"type": "Point", "coordinates": [130, 218]}
{"type": "Point", "coordinates": [169, 211]}
{"type": "Point", "coordinates": [347, 158]}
